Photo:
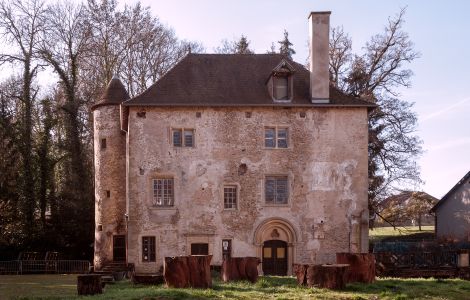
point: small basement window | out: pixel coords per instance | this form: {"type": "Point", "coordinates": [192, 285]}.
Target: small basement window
{"type": "Point", "coordinates": [199, 249]}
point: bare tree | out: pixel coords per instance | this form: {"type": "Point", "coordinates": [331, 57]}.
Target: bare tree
{"type": "Point", "coordinates": [240, 46]}
{"type": "Point", "coordinates": [21, 26]}
{"type": "Point", "coordinates": [65, 45]}
{"type": "Point", "coordinates": [374, 76]}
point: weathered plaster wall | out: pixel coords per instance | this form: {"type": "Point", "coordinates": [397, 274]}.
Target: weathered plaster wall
{"type": "Point", "coordinates": [110, 175]}
{"type": "Point", "coordinates": [453, 216]}
{"type": "Point", "coordinates": [326, 163]}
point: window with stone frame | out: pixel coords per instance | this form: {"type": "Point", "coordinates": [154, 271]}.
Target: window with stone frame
{"type": "Point", "coordinates": [163, 192]}
{"type": "Point", "coordinates": [182, 137]}
{"type": "Point", "coordinates": [230, 196]}
{"type": "Point", "coordinates": [148, 249]}
{"type": "Point", "coordinates": [276, 137]}
{"type": "Point", "coordinates": [276, 189]}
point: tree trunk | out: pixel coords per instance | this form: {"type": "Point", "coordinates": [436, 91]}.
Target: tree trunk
{"type": "Point", "coordinates": [188, 271]}
{"type": "Point", "coordinates": [322, 276]}
{"type": "Point", "coordinates": [89, 284]}
{"type": "Point", "coordinates": [361, 266]}
{"type": "Point", "coordinates": [240, 268]}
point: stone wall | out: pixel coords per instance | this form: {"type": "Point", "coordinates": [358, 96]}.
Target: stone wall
{"type": "Point", "coordinates": [326, 164]}
{"type": "Point", "coordinates": [110, 179]}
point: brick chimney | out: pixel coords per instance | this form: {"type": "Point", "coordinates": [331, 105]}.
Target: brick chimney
{"type": "Point", "coordinates": [319, 27]}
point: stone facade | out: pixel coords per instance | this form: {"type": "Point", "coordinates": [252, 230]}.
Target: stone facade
{"type": "Point", "coordinates": [326, 165]}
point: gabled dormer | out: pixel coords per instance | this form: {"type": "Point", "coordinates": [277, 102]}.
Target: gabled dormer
{"type": "Point", "coordinates": [281, 81]}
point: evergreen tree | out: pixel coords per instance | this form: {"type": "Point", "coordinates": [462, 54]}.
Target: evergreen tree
{"type": "Point", "coordinates": [285, 47]}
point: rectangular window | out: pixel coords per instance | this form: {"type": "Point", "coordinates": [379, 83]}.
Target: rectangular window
{"type": "Point", "coordinates": [103, 143]}
{"type": "Point", "coordinates": [275, 137]}
{"type": "Point", "coordinates": [148, 248]}
{"type": "Point", "coordinates": [230, 197]}
{"type": "Point", "coordinates": [199, 249]}
{"type": "Point", "coordinates": [276, 190]}
{"type": "Point", "coordinates": [163, 192]}
{"type": "Point", "coordinates": [182, 137]}
{"type": "Point", "coordinates": [281, 87]}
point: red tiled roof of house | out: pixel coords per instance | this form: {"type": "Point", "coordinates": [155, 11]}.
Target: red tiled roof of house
{"type": "Point", "coordinates": [231, 80]}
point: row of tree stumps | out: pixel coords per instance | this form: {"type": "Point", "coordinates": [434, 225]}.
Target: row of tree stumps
{"type": "Point", "coordinates": [349, 267]}
{"type": "Point", "coordinates": [194, 271]}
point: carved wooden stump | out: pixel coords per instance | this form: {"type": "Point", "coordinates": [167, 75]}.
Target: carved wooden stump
{"type": "Point", "coordinates": [188, 271]}
{"type": "Point", "coordinates": [240, 268]}
{"type": "Point", "coordinates": [323, 276]}
{"type": "Point", "coordinates": [362, 266]}
{"type": "Point", "coordinates": [89, 284]}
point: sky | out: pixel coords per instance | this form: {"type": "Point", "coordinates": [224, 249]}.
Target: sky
{"type": "Point", "coordinates": [440, 31]}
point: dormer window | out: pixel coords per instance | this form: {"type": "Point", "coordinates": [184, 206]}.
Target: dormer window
{"type": "Point", "coordinates": [280, 82]}
{"type": "Point", "coordinates": [281, 87]}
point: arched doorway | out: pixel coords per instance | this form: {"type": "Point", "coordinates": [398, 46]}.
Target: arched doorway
{"type": "Point", "coordinates": [279, 236]}
{"type": "Point", "coordinates": [275, 258]}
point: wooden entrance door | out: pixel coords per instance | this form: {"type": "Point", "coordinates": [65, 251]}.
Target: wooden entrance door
{"type": "Point", "coordinates": [275, 258]}
{"type": "Point", "coordinates": [119, 248]}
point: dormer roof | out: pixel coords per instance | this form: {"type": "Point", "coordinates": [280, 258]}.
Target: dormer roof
{"type": "Point", "coordinates": [232, 80]}
{"type": "Point", "coordinates": [114, 94]}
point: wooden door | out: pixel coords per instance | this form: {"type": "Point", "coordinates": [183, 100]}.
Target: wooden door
{"type": "Point", "coordinates": [275, 258]}
{"type": "Point", "coordinates": [119, 248]}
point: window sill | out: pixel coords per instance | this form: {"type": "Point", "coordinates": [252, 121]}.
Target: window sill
{"type": "Point", "coordinates": [163, 208]}
{"type": "Point", "coordinates": [230, 209]}
{"type": "Point", "coordinates": [276, 205]}
{"type": "Point", "coordinates": [277, 148]}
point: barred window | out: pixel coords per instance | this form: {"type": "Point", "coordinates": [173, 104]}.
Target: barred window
{"type": "Point", "coordinates": [275, 137]}
{"type": "Point", "coordinates": [148, 248]}
{"type": "Point", "coordinates": [163, 192]}
{"type": "Point", "coordinates": [183, 137]}
{"type": "Point", "coordinates": [276, 190]}
{"type": "Point", "coordinates": [230, 197]}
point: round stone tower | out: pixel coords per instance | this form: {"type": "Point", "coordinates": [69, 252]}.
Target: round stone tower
{"type": "Point", "coordinates": [110, 176]}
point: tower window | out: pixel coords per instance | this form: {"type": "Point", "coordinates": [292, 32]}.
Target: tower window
{"type": "Point", "coordinates": [103, 144]}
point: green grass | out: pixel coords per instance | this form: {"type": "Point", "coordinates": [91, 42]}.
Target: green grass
{"type": "Point", "coordinates": [401, 233]}
{"type": "Point", "coordinates": [64, 287]}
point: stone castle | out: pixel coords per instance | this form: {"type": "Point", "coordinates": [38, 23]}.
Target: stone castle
{"type": "Point", "coordinates": [232, 155]}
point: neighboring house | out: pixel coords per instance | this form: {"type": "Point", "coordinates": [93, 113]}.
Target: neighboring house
{"type": "Point", "coordinates": [453, 212]}
{"type": "Point", "coordinates": [408, 208]}
{"type": "Point", "coordinates": [233, 155]}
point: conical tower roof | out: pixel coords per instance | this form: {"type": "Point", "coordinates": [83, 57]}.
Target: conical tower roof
{"type": "Point", "coordinates": [114, 94]}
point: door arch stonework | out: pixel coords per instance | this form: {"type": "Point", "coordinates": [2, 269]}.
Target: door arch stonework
{"type": "Point", "coordinates": [276, 229]}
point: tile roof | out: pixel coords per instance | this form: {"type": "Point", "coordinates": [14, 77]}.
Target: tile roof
{"type": "Point", "coordinates": [231, 80]}
{"type": "Point", "coordinates": [114, 94]}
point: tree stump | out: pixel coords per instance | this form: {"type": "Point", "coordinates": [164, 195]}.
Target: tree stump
{"type": "Point", "coordinates": [240, 268]}
{"type": "Point", "coordinates": [300, 272]}
{"type": "Point", "coordinates": [89, 284]}
{"type": "Point", "coordinates": [187, 271]}
{"type": "Point", "coordinates": [322, 276]}
{"type": "Point", "coordinates": [361, 266]}
{"type": "Point", "coordinates": [200, 271]}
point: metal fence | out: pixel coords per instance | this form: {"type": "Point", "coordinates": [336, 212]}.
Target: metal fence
{"type": "Point", "coordinates": [44, 266]}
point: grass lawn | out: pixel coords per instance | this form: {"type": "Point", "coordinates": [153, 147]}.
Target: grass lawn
{"type": "Point", "coordinates": [401, 233]}
{"type": "Point", "coordinates": [64, 287]}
